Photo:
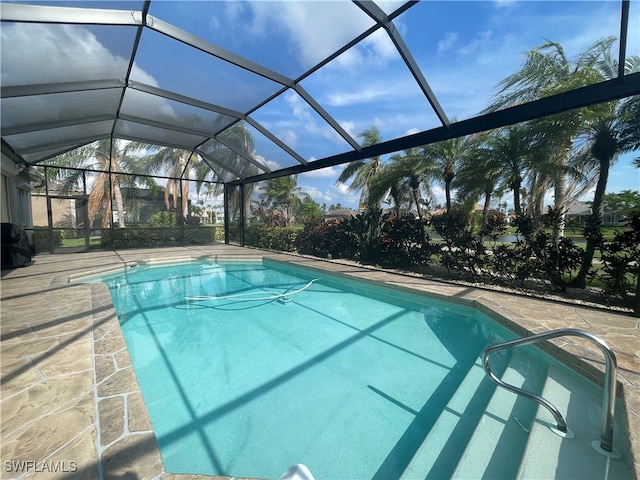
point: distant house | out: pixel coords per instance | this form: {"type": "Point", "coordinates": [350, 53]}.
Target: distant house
{"type": "Point", "coordinates": [340, 213]}
{"type": "Point", "coordinates": [577, 213]}
{"type": "Point", "coordinates": [478, 208]}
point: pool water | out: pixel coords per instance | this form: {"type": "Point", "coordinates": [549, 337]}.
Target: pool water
{"type": "Point", "coordinates": [248, 368]}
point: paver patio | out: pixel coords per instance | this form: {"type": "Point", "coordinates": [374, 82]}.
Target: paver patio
{"type": "Point", "coordinates": [71, 401]}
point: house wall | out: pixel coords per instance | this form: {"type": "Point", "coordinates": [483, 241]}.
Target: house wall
{"type": "Point", "coordinates": [63, 211]}
{"type": "Point", "coordinates": [15, 195]}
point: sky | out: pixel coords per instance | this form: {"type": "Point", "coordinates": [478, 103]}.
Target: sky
{"type": "Point", "coordinates": [463, 49]}
{"type": "Point", "coordinates": [484, 44]}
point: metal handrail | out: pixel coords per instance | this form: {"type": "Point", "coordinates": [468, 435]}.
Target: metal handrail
{"type": "Point", "coordinates": [608, 398]}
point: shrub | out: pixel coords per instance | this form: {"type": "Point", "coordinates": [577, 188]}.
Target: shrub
{"type": "Point", "coordinates": [163, 219]}
{"type": "Point", "coordinates": [621, 265]}
{"type": "Point", "coordinates": [404, 242]}
{"type": "Point", "coordinates": [325, 239]}
{"type": "Point", "coordinates": [271, 238]}
{"type": "Point", "coordinates": [41, 239]}
{"type": "Point", "coordinates": [462, 252]}
{"type": "Point", "coordinates": [149, 237]}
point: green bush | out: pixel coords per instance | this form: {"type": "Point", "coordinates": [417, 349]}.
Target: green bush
{"type": "Point", "coordinates": [163, 219]}
{"type": "Point", "coordinates": [463, 252]}
{"type": "Point", "coordinates": [149, 237]}
{"type": "Point", "coordinates": [621, 265]}
{"type": "Point", "coordinates": [41, 239]}
{"type": "Point", "coordinates": [326, 239]}
{"type": "Point", "coordinates": [271, 238]}
{"type": "Point", "coordinates": [404, 242]}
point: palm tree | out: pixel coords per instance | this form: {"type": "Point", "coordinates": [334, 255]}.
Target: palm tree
{"type": "Point", "coordinates": [445, 157]}
{"type": "Point", "coordinates": [285, 192]}
{"type": "Point", "coordinates": [108, 159]}
{"type": "Point", "coordinates": [360, 172]}
{"type": "Point", "coordinates": [606, 138]}
{"type": "Point", "coordinates": [173, 163]}
{"type": "Point", "coordinates": [547, 71]}
{"type": "Point", "coordinates": [479, 176]}
{"type": "Point", "coordinates": [390, 181]}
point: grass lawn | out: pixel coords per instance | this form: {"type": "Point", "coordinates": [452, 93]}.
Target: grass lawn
{"type": "Point", "coordinates": [79, 242]}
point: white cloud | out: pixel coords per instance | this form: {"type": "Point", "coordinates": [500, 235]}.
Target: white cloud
{"type": "Point", "coordinates": [504, 3]}
{"type": "Point", "coordinates": [315, 29]}
{"type": "Point", "coordinates": [289, 137]}
{"type": "Point", "coordinates": [349, 126]}
{"type": "Point", "coordinates": [447, 42]}
{"type": "Point", "coordinates": [482, 41]}
{"type": "Point", "coordinates": [72, 52]}
{"type": "Point", "coordinates": [329, 172]}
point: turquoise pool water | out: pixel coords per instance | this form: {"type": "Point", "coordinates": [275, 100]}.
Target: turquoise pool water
{"type": "Point", "coordinates": [248, 368]}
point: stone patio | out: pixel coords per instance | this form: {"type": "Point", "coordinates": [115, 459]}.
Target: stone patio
{"type": "Point", "coordinates": [71, 407]}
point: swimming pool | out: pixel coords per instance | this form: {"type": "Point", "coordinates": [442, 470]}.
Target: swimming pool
{"type": "Point", "coordinates": [290, 366]}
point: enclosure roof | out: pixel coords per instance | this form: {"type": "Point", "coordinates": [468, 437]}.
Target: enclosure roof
{"type": "Point", "coordinates": [183, 74]}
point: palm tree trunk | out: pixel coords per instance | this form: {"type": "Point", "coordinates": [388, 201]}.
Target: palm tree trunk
{"type": "Point", "coordinates": [485, 212]}
{"type": "Point", "coordinates": [117, 195]}
{"type": "Point", "coordinates": [592, 229]}
{"type": "Point", "coordinates": [416, 199]}
{"type": "Point", "coordinates": [185, 198]}
{"type": "Point", "coordinates": [167, 195]}
{"type": "Point", "coordinates": [117, 192]}
{"type": "Point", "coordinates": [516, 195]}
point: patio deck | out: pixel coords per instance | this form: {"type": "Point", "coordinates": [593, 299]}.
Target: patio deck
{"type": "Point", "coordinates": [71, 402]}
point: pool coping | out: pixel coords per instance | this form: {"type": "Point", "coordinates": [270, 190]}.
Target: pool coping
{"type": "Point", "coordinates": [115, 437]}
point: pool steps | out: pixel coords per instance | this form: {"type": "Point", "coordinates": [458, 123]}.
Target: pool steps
{"type": "Point", "coordinates": [550, 456]}
{"type": "Point", "coordinates": [513, 452]}
{"type": "Point", "coordinates": [448, 452]}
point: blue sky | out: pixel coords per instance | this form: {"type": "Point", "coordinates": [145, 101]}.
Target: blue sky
{"type": "Point", "coordinates": [463, 49]}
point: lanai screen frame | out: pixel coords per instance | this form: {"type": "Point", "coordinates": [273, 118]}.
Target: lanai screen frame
{"type": "Point", "coordinates": [625, 85]}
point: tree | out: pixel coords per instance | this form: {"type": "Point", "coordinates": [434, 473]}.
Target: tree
{"type": "Point", "coordinates": [405, 178]}
{"type": "Point", "coordinates": [360, 172]}
{"type": "Point", "coordinates": [284, 192]}
{"type": "Point", "coordinates": [443, 159]}
{"type": "Point", "coordinates": [309, 209]}
{"type": "Point", "coordinates": [479, 176]}
{"type": "Point", "coordinates": [607, 136]}
{"type": "Point", "coordinates": [174, 163]}
{"type": "Point", "coordinates": [546, 71]}
{"type": "Point", "coordinates": [625, 203]}
{"type": "Point", "coordinates": [239, 138]}
{"type": "Point", "coordinates": [389, 183]}
{"type": "Point", "coordinates": [107, 159]}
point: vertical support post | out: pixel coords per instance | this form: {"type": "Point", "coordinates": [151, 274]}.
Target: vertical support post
{"type": "Point", "coordinates": [226, 199]}
{"type": "Point", "coordinates": [242, 213]}
{"type": "Point", "coordinates": [113, 233]}
{"type": "Point", "coordinates": [49, 211]}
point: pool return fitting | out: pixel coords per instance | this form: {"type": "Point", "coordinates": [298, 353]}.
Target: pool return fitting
{"type": "Point", "coordinates": [605, 445]}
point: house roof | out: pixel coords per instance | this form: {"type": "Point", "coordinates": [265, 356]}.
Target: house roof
{"type": "Point", "coordinates": [157, 72]}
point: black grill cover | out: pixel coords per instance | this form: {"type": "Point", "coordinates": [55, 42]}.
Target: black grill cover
{"type": "Point", "coordinates": [15, 246]}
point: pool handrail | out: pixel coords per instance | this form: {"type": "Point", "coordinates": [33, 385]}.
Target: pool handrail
{"type": "Point", "coordinates": [608, 398]}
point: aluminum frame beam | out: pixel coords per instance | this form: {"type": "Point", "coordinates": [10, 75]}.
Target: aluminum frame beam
{"type": "Point", "coordinates": [35, 127]}
{"type": "Point", "coordinates": [381, 18]}
{"type": "Point", "coordinates": [13, 12]}
{"type": "Point", "coordinates": [13, 91]}
{"type": "Point", "coordinates": [254, 162]}
{"type": "Point", "coordinates": [582, 97]}
{"type": "Point", "coordinates": [275, 140]}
